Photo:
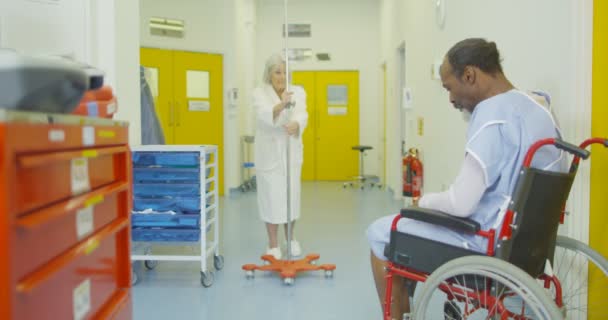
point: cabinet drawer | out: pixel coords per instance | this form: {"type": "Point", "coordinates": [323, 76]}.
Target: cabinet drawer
{"type": "Point", "coordinates": [160, 220]}
{"type": "Point", "coordinates": [166, 190]}
{"type": "Point", "coordinates": [124, 313]}
{"type": "Point", "coordinates": [180, 205]}
{"type": "Point", "coordinates": [161, 159]}
{"type": "Point", "coordinates": [166, 175]}
{"type": "Point", "coordinates": [75, 285]}
{"type": "Point", "coordinates": [165, 235]}
{"type": "Point", "coordinates": [46, 233]}
{"type": "Point", "coordinates": [43, 179]}
{"type": "Point", "coordinates": [119, 307]}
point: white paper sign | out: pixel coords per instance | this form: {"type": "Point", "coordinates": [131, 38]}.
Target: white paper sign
{"type": "Point", "coordinates": [198, 106]}
{"type": "Point", "coordinates": [80, 176]}
{"type": "Point", "coordinates": [337, 111]}
{"type": "Point", "coordinates": [84, 222]}
{"type": "Point", "coordinates": [82, 300]}
{"type": "Point", "coordinates": [88, 136]}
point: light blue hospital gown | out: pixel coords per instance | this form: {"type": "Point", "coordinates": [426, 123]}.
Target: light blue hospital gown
{"type": "Point", "coordinates": [501, 130]}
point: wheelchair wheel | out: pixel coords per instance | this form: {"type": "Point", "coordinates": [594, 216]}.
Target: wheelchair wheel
{"type": "Point", "coordinates": [581, 290]}
{"type": "Point", "coordinates": [483, 288]}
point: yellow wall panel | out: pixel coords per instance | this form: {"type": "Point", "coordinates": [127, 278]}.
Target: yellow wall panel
{"type": "Point", "coordinates": [599, 163]}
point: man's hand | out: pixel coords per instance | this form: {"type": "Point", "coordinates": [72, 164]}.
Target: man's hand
{"type": "Point", "coordinates": [415, 201]}
{"type": "Point", "coordinates": [292, 128]}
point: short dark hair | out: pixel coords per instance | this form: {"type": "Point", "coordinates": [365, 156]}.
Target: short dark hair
{"type": "Point", "coordinates": [475, 52]}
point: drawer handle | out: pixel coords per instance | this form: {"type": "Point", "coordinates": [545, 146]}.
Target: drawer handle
{"type": "Point", "coordinates": [41, 217]}
{"type": "Point", "coordinates": [89, 153]}
{"type": "Point", "coordinates": [106, 134]}
{"type": "Point", "coordinates": [29, 161]}
{"type": "Point", "coordinates": [86, 247]}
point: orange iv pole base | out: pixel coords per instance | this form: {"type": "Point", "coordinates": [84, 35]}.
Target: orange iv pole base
{"type": "Point", "coordinates": [288, 269]}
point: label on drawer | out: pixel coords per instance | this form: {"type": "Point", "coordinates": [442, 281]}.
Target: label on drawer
{"type": "Point", "coordinates": [82, 299]}
{"type": "Point", "coordinates": [88, 136]}
{"type": "Point", "coordinates": [84, 222]}
{"type": "Point", "coordinates": [80, 176]}
{"type": "Point", "coordinates": [56, 135]}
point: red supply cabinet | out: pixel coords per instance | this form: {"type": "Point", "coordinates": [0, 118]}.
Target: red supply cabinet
{"type": "Point", "coordinates": [64, 217]}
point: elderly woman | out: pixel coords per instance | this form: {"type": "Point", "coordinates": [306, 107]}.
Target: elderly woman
{"type": "Point", "coordinates": [280, 114]}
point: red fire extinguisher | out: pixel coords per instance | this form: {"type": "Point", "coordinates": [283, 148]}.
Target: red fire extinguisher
{"type": "Point", "coordinates": [412, 174]}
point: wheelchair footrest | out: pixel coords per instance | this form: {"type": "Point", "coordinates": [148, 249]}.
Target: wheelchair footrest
{"type": "Point", "coordinates": [422, 254]}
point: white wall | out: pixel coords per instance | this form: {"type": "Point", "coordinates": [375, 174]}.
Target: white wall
{"type": "Point", "coordinates": [346, 29]}
{"type": "Point", "coordinates": [125, 64]}
{"type": "Point", "coordinates": [44, 27]}
{"type": "Point", "coordinates": [543, 44]}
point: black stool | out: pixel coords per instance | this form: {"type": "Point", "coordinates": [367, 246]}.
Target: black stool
{"type": "Point", "coordinates": [362, 178]}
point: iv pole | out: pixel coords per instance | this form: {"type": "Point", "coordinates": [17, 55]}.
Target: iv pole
{"type": "Point", "coordinates": [288, 144]}
{"type": "Point", "coordinates": [288, 268]}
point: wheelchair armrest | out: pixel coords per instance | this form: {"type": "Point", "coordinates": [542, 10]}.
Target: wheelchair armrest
{"type": "Point", "coordinates": [441, 218]}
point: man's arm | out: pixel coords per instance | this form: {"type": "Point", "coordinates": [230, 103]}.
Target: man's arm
{"type": "Point", "coordinates": [464, 194]}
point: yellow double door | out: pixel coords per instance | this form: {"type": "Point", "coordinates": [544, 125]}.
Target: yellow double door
{"type": "Point", "coordinates": [187, 90]}
{"type": "Point", "coordinates": [333, 124]}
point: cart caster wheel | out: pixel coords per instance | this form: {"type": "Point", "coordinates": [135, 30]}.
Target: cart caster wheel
{"type": "Point", "coordinates": [207, 279]}
{"type": "Point", "coordinates": [288, 281]}
{"type": "Point", "coordinates": [361, 188]}
{"type": "Point", "coordinates": [379, 186]}
{"type": "Point", "coordinates": [133, 278]}
{"type": "Point", "coordinates": [249, 274]}
{"type": "Point", "coordinates": [150, 264]}
{"type": "Point", "coordinates": [218, 262]}
{"type": "Point", "coordinates": [344, 186]}
{"type": "Point", "coordinates": [329, 273]}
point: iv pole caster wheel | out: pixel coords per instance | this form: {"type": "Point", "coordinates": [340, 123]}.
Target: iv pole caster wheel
{"type": "Point", "coordinates": [150, 264]}
{"type": "Point", "coordinates": [289, 281]}
{"type": "Point", "coordinates": [218, 262]}
{"type": "Point", "coordinates": [206, 279]}
{"type": "Point", "coordinates": [249, 274]}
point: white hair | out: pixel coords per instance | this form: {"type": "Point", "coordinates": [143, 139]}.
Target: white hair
{"type": "Point", "coordinates": [272, 62]}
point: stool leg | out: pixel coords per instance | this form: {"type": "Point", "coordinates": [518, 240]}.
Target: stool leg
{"type": "Point", "coordinates": [361, 173]}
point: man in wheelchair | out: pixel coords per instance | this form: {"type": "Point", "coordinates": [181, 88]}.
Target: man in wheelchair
{"type": "Point", "coordinates": [504, 123]}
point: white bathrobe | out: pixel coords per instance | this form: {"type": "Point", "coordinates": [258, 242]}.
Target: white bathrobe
{"type": "Point", "coordinates": [271, 157]}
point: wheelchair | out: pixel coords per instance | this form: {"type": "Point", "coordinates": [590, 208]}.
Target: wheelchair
{"type": "Point", "coordinates": [531, 272]}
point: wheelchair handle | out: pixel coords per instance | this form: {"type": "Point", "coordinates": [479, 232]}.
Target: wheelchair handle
{"type": "Point", "coordinates": [584, 145]}
{"type": "Point", "coordinates": [588, 142]}
{"type": "Point", "coordinates": [560, 144]}
{"type": "Point", "coordinates": [572, 149]}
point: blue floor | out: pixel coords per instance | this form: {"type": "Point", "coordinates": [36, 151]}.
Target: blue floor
{"type": "Point", "coordinates": [333, 224]}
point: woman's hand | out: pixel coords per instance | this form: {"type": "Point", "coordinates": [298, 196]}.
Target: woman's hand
{"type": "Point", "coordinates": [286, 98]}
{"type": "Point", "coordinates": [292, 128]}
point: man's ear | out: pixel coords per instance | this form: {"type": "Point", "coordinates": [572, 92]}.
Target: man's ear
{"type": "Point", "coordinates": [469, 75]}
